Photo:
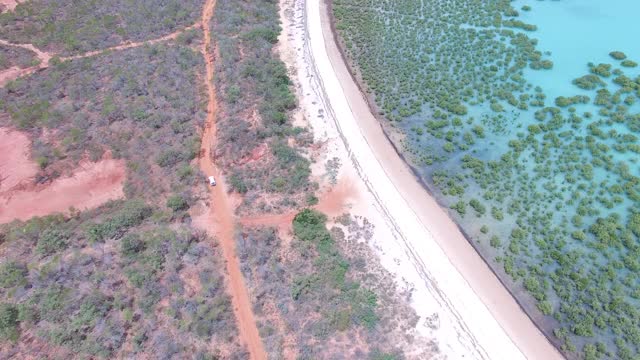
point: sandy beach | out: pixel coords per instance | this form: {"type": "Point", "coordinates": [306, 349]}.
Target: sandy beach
{"type": "Point", "coordinates": [462, 304]}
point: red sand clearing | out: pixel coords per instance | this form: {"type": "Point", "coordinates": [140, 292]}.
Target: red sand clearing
{"type": "Point", "coordinates": [8, 5]}
{"type": "Point", "coordinates": [90, 186]}
{"type": "Point", "coordinates": [336, 201]}
{"type": "Point", "coordinates": [16, 166]}
{"type": "Point", "coordinates": [332, 203]}
{"type": "Point", "coordinates": [13, 73]}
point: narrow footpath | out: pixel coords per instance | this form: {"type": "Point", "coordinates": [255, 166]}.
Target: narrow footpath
{"type": "Point", "coordinates": [220, 218]}
{"type": "Point", "coordinates": [45, 57]}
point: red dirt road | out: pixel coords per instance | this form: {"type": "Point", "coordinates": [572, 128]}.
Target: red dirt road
{"type": "Point", "coordinates": [218, 221]}
{"type": "Point", "coordinates": [91, 185]}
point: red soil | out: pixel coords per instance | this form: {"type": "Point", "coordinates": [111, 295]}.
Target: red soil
{"type": "Point", "coordinates": [13, 73]}
{"type": "Point", "coordinates": [8, 5]}
{"type": "Point", "coordinates": [335, 201]}
{"type": "Point", "coordinates": [280, 221]}
{"type": "Point", "coordinates": [16, 166]}
{"type": "Point", "coordinates": [91, 185]}
{"type": "Point", "coordinates": [255, 155]}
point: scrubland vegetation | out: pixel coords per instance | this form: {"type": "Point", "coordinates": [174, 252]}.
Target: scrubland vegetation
{"type": "Point", "coordinates": [113, 282]}
{"type": "Point", "coordinates": [332, 300]}
{"type": "Point", "coordinates": [131, 278]}
{"type": "Point", "coordinates": [70, 27]}
{"type": "Point", "coordinates": [554, 180]}
{"type": "Point", "coordinates": [15, 56]}
{"type": "Point", "coordinates": [143, 105]}
{"type": "Point", "coordinates": [255, 97]}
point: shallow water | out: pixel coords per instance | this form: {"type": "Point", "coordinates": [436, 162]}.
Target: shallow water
{"type": "Point", "coordinates": [577, 32]}
{"type": "Point", "coordinates": [549, 200]}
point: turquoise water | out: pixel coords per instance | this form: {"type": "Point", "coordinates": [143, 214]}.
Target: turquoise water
{"type": "Point", "coordinates": [577, 32]}
{"type": "Point", "coordinates": [547, 191]}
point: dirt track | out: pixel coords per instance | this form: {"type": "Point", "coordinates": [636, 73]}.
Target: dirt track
{"type": "Point", "coordinates": [130, 45]}
{"type": "Point", "coordinates": [218, 221]}
{"type": "Point", "coordinates": [15, 72]}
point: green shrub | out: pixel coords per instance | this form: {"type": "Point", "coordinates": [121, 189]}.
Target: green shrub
{"type": "Point", "coordinates": [629, 63]}
{"type": "Point", "coordinates": [132, 213]}
{"type": "Point", "coordinates": [171, 157]}
{"type": "Point", "coordinates": [52, 303]}
{"type": "Point", "coordinates": [51, 241]}
{"type": "Point", "coordinates": [131, 245]}
{"type": "Point", "coordinates": [9, 322]}
{"type": "Point", "coordinates": [495, 241]}
{"type": "Point", "coordinates": [497, 213]}
{"type": "Point", "coordinates": [13, 274]}
{"type": "Point", "coordinates": [237, 183]}
{"type": "Point", "coordinates": [42, 161]}
{"type": "Point", "coordinates": [177, 202]}
{"type": "Point", "coordinates": [545, 307]}
{"type": "Point", "coordinates": [618, 55]}
{"type": "Point", "coordinates": [309, 225]}
{"type": "Point", "coordinates": [478, 207]}
{"type": "Point", "coordinates": [460, 207]}
{"type": "Point", "coordinates": [268, 34]}
{"type": "Point", "coordinates": [578, 235]}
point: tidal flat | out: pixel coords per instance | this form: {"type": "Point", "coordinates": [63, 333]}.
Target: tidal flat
{"type": "Point", "coordinates": [522, 118]}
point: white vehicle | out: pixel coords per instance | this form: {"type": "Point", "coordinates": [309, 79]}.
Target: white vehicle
{"type": "Point", "coordinates": [212, 181]}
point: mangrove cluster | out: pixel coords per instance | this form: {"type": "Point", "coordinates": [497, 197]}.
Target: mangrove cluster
{"type": "Point", "coordinates": [547, 189]}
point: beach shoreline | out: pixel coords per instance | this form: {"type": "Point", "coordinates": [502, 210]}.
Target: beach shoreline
{"type": "Point", "coordinates": [390, 132]}
{"type": "Point", "coordinates": [495, 323]}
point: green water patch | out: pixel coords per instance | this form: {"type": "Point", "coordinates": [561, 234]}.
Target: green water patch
{"type": "Point", "coordinates": [545, 183]}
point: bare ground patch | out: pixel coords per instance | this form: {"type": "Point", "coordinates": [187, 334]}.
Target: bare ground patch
{"type": "Point", "coordinates": [8, 5]}
{"type": "Point", "coordinates": [89, 186]}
